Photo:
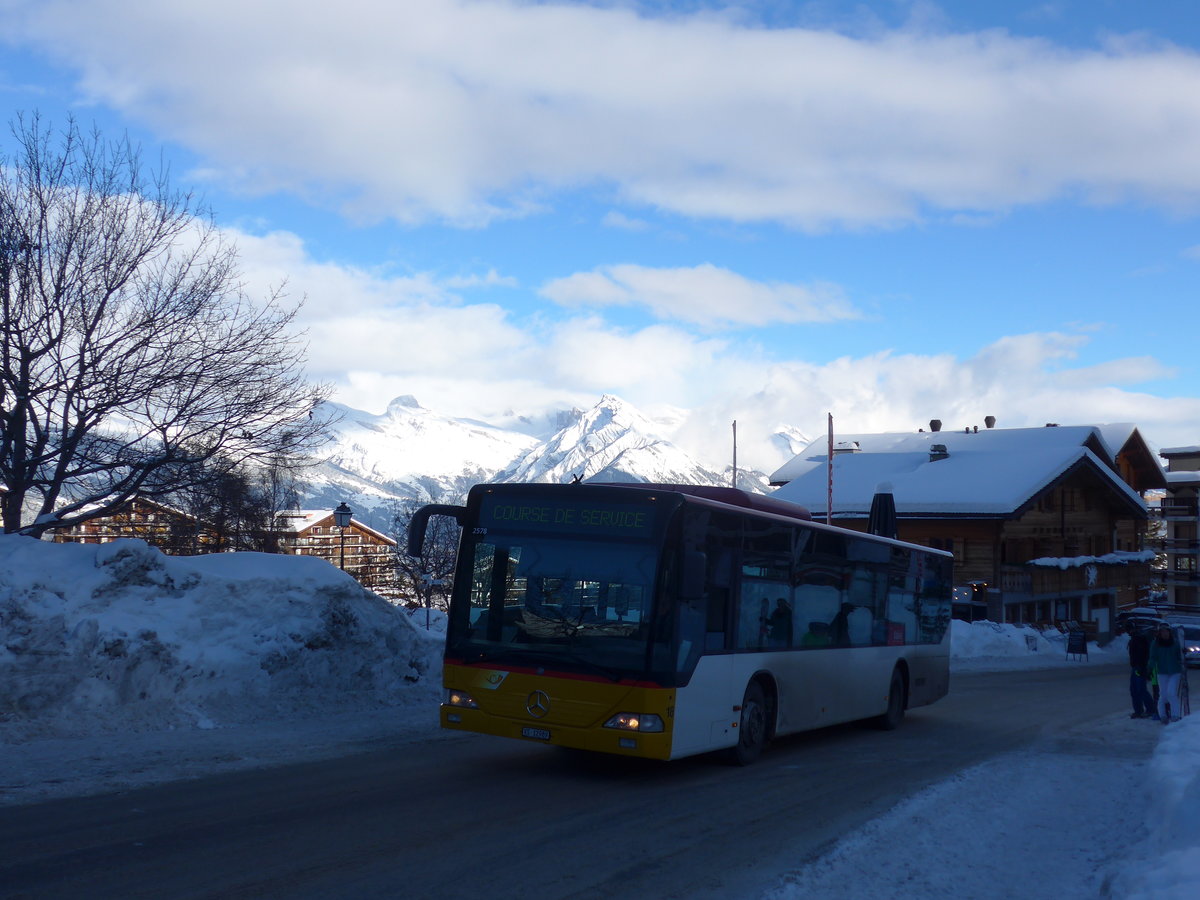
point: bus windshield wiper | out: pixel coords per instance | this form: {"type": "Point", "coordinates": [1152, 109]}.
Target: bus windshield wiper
{"type": "Point", "coordinates": [483, 654]}
{"type": "Point", "coordinates": [608, 673]}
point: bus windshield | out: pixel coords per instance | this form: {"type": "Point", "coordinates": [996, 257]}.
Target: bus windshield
{"type": "Point", "coordinates": [579, 606]}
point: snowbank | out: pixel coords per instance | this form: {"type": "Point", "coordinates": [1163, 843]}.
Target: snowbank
{"type": "Point", "coordinates": [118, 637]}
{"type": "Point", "coordinates": [989, 646]}
{"type": "Point", "coordinates": [1165, 865]}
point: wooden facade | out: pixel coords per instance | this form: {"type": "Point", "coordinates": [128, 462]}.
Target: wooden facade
{"type": "Point", "coordinates": [173, 532]}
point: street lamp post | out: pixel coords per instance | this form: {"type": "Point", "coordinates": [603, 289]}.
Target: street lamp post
{"type": "Point", "coordinates": [341, 518]}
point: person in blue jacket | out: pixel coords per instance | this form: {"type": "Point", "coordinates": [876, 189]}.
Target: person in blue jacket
{"type": "Point", "coordinates": [1166, 658]}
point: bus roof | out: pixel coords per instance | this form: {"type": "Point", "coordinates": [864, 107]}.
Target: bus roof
{"type": "Point", "coordinates": [727, 495]}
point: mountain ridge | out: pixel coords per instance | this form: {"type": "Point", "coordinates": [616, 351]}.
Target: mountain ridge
{"type": "Point", "coordinates": [378, 463]}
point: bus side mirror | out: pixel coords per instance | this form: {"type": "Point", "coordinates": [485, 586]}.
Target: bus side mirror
{"type": "Point", "coordinates": [695, 564]}
{"type": "Point", "coordinates": [419, 524]}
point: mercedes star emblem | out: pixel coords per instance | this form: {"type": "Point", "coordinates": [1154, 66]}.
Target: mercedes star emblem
{"type": "Point", "coordinates": [537, 704]}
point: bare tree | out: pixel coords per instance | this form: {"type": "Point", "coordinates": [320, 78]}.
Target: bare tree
{"type": "Point", "coordinates": [429, 579]}
{"type": "Point", "coordinates": [133, 362]}
{"type": "Point", "coordinates": [238, 506]}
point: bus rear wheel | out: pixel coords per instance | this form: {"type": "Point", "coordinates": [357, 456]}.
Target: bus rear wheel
{"type": "Point", "coordinates": [752, 729]}
{"type": "Point", "coordinates": [891, 719]}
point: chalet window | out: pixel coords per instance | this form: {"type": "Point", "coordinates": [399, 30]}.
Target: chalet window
{"type": "Point", "coordinates": [317, 530]}
{"type": "Point", "coordinates": [942, 544]}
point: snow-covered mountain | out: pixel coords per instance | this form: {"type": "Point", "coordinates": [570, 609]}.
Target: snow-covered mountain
{"type": "Point", "coordinates": [377, 462]}
{"type": "Point", "coordinates": [612, 441]}
{"type": "Point", "coordinates": [408, 452]}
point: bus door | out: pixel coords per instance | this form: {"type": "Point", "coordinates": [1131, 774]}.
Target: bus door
{"type": "Point", "coordinates": [706, 697]}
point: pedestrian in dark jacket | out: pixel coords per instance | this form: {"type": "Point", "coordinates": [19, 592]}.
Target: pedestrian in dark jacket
{"type": "Point", "coordinates": [1166, 658]}
{"type": "Point", "coordinates": [1139, 671]}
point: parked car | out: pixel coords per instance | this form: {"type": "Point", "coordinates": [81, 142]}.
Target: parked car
{"type": "Point", "coordinates": [1140, 618]}
{"type": "Point", "coordinates": [1191, 644]}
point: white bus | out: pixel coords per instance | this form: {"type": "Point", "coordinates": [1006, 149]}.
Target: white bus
{"type": "Point", "coordinates": [663, 621]}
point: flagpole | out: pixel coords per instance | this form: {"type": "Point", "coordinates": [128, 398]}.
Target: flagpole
{"type": "Point", "coordinates": [829, 465]}
{"type": "Point", "coordinates": [735, 452]}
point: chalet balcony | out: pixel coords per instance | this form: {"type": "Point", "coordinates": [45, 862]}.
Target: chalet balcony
{"type": "Point", "coordinates": [1181, 547]}
{"type": "Point", "coordinates": [1180, 577]}
{"type": "Point", "coordinates": [1177, 509]}
{"type": "Point", "coordinates": [1025, 581]}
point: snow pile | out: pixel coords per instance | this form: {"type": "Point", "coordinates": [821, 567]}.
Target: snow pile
{"type": "Point", "coordinates": [982, 646]}
{"type": "Point", "coordinates": [119, 637]}
{"type": "Point", "coordinates": [972, 640]}
{"type": "Point", "coordinates": [992, 832]}
{"type": "Point", "coordinates": [1166, 865]}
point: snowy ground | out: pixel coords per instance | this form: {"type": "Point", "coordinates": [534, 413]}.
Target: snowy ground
{"type": "Point", "coordinates": [120, 667]}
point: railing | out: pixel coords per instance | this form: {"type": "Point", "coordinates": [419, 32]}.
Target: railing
{"type": "Point", "coordinates": [1017, 581]}
{"type": "Point", "coordinates": [1180, 576]}
{"type": "Point", "coordinates": [1175, 510]}
{"type": "Point", "coordinates": [1181, 546]}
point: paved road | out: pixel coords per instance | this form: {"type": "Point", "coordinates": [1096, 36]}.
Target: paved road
{"type": "Point", "coordinates": [475, 817]}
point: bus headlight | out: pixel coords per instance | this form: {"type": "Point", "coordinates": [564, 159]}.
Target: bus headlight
{"type": "Point", "coordinates": [644, 722]}
{"type": "Point", "coordinates": [460, 698]}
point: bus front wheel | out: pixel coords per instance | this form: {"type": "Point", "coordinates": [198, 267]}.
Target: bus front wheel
{"type": "Point", "coordinates": [891, 719]}
{"type": "Point", "coordinates": [752, 729]}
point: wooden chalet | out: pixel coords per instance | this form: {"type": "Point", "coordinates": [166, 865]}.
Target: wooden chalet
{"type": "Point", "coordinates": [363, 552]}
{"type": "Point", "coordinates": [172, 531]}
{"type": "Point", "coordinates": [1180, 514]}
{"type": "Point", "coordinates": [1047, 525]}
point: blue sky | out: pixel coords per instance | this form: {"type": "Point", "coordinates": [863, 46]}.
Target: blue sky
{"type": "Point", "coordinates": [767, 211]}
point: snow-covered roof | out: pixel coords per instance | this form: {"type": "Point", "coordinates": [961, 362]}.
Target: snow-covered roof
{"type": "Point", "coordinates": [990, 472]}
{"type": "Point", "coordinates": [1009, 441]}
{"type": "Point", "coordinates": [298, 520]}
{"type": "Point", "coordinates": [1116, 558]}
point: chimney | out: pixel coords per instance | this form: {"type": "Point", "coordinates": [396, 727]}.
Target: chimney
{"type": "Point", "coordinates": [937, 451]}
{"type": "Point", "coordinates": [935, 424]}
{"type": "Point", "coordinates": [989, 421]}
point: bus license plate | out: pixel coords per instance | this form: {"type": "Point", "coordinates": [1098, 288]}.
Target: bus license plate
{"type": "Point", "coordinates": [540, 734]}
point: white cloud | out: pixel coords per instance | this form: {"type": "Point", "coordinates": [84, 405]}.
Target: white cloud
{"type": "Point", "coordinates": [491, 278]}
{"type": "Point", "coordinates": [1023, 380]}
{"type": "Point", "coordinates": [615, 219]}
{"type": "Point", "coordinates": [377, 336]}
{"type": "Point", "coordinates": [466, 110]}
{"type": "Point", "coordinates": [706, 295]}
{"type": "Point", "coordinates": [654, 362]}
{"type": "Point", "coordinates": [373, 321]}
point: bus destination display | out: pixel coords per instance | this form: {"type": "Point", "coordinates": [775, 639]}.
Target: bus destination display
{"type": "Point", "coordinates": [602, 519]}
